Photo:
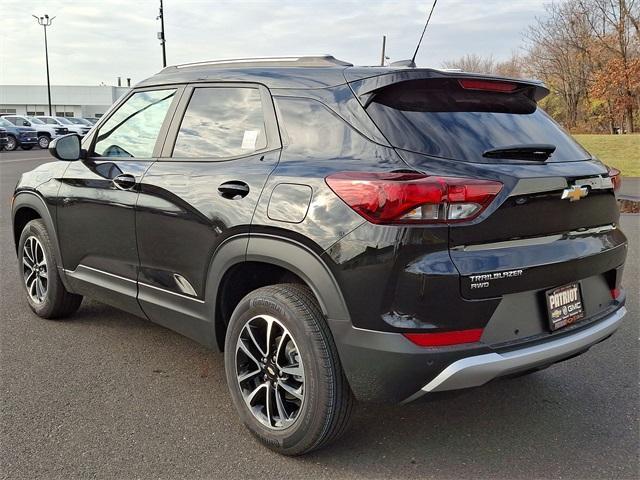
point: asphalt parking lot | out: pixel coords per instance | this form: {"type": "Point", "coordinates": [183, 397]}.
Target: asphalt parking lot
{"type": "Point", "coordinates": [109, 395]}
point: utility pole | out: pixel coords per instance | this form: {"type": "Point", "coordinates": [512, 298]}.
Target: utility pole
{"type": "Point", "coordinates": [45, 21]}
{"type": "Point", "coordinates": [161, 36]}
{"type": "Point", "coordinates": [384, 45]}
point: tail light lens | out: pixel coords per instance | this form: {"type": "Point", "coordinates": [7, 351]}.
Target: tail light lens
{"type": "Point", "coordinates": [616, 178]}
{"type": "Point", "coordinates": [399, 198]}
{"type": "Point", "coordinates": [443, 339]}
{"type": "Point", "coordinates": [615, 293]}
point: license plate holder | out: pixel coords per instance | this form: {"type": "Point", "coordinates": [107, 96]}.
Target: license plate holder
{"type": "Point", "coordinates": [564, 305]}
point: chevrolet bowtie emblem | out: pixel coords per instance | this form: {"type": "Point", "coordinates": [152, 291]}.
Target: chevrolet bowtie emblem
{"type": "Point", "coordinates": [575, 193]}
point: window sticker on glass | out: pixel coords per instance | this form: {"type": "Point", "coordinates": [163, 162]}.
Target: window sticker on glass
{"type": "Point", "coordinates": [249, 139]}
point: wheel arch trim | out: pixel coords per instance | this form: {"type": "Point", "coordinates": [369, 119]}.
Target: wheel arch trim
{"type": "Point", "coordinates": [283, 252]}
{"type": "Point", "coordinates": [34, 201]}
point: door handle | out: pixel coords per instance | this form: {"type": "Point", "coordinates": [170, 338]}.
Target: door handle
{"type": "Point", "coordinates": [233, 189]}
{"type": "Point", "coordinates": [124, 181]}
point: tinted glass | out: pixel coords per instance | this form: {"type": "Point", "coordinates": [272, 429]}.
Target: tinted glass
{"type": "Point", "coordinates": [312, 130]}
{"type": "Point", "coordinates": [133, 129]}
{"type": "Point", "coordinates": [220, 123]}
{"type": "Point", "coordinates": [440, 118]}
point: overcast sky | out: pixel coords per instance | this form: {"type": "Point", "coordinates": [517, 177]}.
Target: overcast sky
{"type": "Point", "coordinates": [94, 41]}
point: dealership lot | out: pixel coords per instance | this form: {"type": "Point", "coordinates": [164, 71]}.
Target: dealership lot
{"type": "Point", "coordinates": [108, 395]}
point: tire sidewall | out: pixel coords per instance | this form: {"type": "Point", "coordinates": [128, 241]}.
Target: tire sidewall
{"type": "Point", "coordinates": [37, 229]}
{"type": "Point", "coordinates": [312, 418]}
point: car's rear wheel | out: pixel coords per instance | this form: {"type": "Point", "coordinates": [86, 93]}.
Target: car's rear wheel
{"type": "Point", "coordinates": [283, 370]}
{"type": "Point", "coordinates": [12, 143]}
{"type": "Point", "coordinates": [46, 294]}
{"type": "Point", "coordinates": [43, 141]}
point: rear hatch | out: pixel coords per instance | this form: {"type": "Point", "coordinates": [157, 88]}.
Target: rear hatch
{"type": "Point", "coordinates": [555, 219]}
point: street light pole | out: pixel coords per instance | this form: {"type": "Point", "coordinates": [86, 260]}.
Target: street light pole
{"type": "Point", "coordinates": [45, 21]}
{"type": "Point", "coordinates": [161, 36]}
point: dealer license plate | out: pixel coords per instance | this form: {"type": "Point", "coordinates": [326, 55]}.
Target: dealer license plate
{"type": "Point", "coordinates": [564, 305]}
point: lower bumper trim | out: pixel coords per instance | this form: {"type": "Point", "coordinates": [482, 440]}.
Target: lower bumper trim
{"type": "Point", "coordinates": [480, 369]}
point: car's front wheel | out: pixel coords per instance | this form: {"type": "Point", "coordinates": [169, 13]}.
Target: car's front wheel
{"type": "Point", "coordinates": [46, 294]}
{"type": "Point", "coordinates": [12, 143]}
{"type": "Point", "coordinates": [43, 141]}
{"type": "Point", "coordinates": [283, 370]}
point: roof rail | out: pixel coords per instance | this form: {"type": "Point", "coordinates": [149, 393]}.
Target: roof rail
{"type": "Point", "coordinates": [285, 61]}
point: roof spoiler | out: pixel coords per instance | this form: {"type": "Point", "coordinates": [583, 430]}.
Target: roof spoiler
{"type": "Point", "coordinates": [365, 88]}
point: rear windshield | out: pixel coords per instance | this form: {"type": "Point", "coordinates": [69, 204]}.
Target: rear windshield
{"type": "Point", "coordinates": [438, 117]}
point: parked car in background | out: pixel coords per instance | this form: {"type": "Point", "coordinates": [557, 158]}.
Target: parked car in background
{"type": "Point", "coordinates": [64, 122]}
{"type": "Point", "coordinates": [45, 132]}
{"type": "Point", "coordinates": [80, 121]}
{"type": "Point", "coordinates": [92, 120]}
{"type": "Point", "coordinates": [3, 138]}
{"type": "Point", "coordinates": [25, 137]}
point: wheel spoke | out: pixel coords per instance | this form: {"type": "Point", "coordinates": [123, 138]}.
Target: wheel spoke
{"type": "Point", "coordinates": [268, 404]}
{"type": "Point", "coordinates": [39, 289]}
{"type": "Point", "coordinates": [255, 342]}
{"type": "Point", "coordinates": [27, 262]}
{"type": "Point", "coordinates": [252, 395]}
{"type": "Point", "coordinates": [242, 346]}
{"type": "Point", "coordinates": [285, 335]}
{"type": "Point", "coordinates": [248, 375]}
{"type": "Point", "coordinates": [282, 412]}
{"type": "Point", "coordinates": [295, 370]}
{"type": "Point", "coordinates": [44, 274]}
{"type": "Point", "coordinates": [296, 392]}
{"type": "Point", "coordinates": [269, 328]}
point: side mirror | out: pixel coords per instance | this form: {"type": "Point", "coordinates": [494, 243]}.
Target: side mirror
{"type": "Point", "coordinates": [66, 148]}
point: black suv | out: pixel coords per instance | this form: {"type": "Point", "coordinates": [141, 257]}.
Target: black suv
{"type": "Point", "coordinates": [340, 232]}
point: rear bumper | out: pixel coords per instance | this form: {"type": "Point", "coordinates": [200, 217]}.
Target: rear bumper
{"type": "Point", "coordinates": [386, 367]}
{"type": "Point", "coordinates": [480, 369]}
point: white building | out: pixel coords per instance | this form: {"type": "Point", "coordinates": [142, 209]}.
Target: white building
{"type": "Point", "coordinates": [66, 100]}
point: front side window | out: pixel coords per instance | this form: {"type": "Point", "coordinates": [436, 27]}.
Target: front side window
{"type": "Point", "coordinates": [133, 129]}
{"type": "Point", "coordinates": [221, 122]}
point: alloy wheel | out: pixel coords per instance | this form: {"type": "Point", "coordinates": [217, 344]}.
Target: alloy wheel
{"type": "Point", "coordinates": [34, 269]}
{"type": "Point", "coordinates": [43, 141]}
{"type": "Point", "coordinates": [12, 144]}
{"type": "Point", "coordinates": [270, 372]}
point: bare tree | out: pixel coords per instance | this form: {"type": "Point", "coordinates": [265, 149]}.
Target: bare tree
{"type": "Point", "coordinates": [473, 63]}
{"type": "Point", "coordinates": [559, 54]}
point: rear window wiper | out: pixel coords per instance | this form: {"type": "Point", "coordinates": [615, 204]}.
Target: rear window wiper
{"type": "Point", "coordinates": [525, 151]}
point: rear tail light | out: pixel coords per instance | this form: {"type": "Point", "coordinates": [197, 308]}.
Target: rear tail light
{"type": "Point", "coordinates": [615, 293]}
{"type": "Point", "coordinates": [488, 85]}
{"type": "Point", "coordinates": [442, 339]}
{"type": "Point", "coordinates": [412, 198]}
{"type": "Point", "coordinates": [616, 178]}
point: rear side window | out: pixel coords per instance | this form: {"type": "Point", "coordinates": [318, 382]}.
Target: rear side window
{"type": "Point", "coordinates": [221, 122]}
{"type": "Point", "coordinates": [440, 118]}
{"type": "Point", "coordinates": [313, 130]}
{"type": "Point", "coordinates": [133, 129]}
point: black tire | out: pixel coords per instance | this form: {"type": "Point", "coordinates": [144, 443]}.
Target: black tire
{"type": "Point", "coordinates": [327, 405]}
{"type": "Point", "coordinates": [43, 141]}
{"type": "Point", "coordinates": [11, 144]}
{"type": "Point", "coordinates": [56, 302]}
{"type": "Point", "coordinates": [26, 147]}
